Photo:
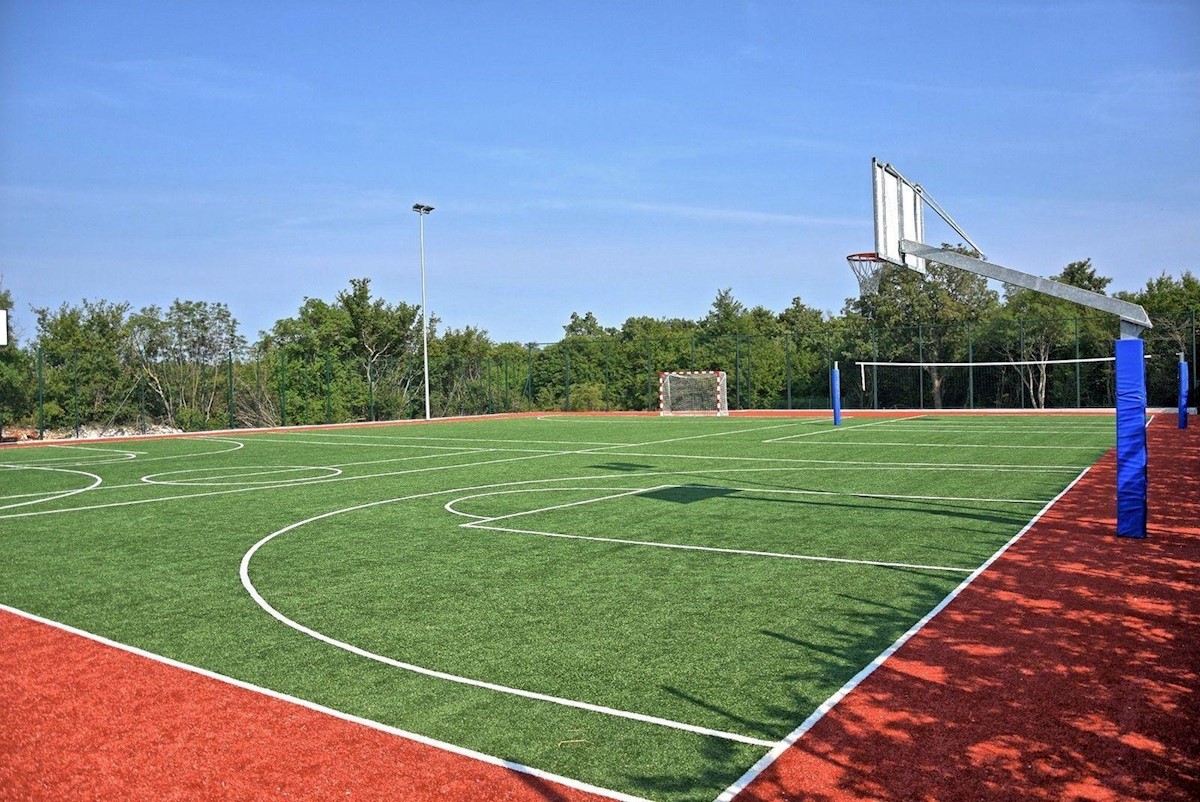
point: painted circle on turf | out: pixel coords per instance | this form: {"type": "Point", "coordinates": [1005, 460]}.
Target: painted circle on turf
{"type": "Point", "coordinates": [38, 498]}
{"type": "Point", "coordinates": [242, 475]}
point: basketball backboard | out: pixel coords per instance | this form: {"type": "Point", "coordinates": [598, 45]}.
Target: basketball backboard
{"type": "Point", "coordinates": [899, 215]}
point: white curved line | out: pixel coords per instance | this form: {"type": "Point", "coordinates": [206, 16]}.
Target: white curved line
{"type": "Point", "coordinates": [91, 463]}
{"type": "Point", "coordinates": [152, 479]}
{"type": "Point", "coordinates": [484, 525]}
{"type": "Point", "coordinates": [449, 505]}
{"type": "Point", "coordinates": [244, 572]}
{"type": "Point", "coordinates": [73, 460]}
{"type": "Point", "coordinates": [54, 497]}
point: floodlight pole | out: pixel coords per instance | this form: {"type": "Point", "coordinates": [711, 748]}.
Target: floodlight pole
{"type": "Point", "coordinates": [422, 210]}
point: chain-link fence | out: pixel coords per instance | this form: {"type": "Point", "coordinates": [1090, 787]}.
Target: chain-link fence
{"type": "Point", "coordinates": [1000, 364]}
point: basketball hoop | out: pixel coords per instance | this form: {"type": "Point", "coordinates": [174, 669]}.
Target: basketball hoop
{"type": "Point", "coordinates": [867, 267]}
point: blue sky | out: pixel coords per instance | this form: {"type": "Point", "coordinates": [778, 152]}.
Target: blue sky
{"type": "Point", "coordinates": [624, 158]}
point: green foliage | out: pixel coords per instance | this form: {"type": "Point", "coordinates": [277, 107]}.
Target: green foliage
{"type": "Point", "coordinates": [359, 356]}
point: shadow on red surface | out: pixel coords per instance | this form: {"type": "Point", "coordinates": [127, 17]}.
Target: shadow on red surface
{"type": "Point", "coordinates": [1069, 670]}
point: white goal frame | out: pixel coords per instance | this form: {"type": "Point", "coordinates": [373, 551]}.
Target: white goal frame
{"type": "Point", "coordinates": [720, 396]}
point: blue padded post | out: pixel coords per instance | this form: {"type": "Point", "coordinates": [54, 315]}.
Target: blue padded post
{"type": "Point", "coordinates": [1183, 394]}
{"type": "Point", "coordinates": [835, 385]}
{"type": "Point", "coordinates": [1131, 438]}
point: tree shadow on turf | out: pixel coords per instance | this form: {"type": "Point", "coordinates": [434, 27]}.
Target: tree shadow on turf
{"type": "Point", "coordinates": [818, 666]}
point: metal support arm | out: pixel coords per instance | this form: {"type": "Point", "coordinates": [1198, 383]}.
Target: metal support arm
{"type": "Point", "coordinates": [1134, 319]}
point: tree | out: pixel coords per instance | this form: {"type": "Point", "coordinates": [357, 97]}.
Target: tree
{"type": "Point", "coordinates": [1046, 324]}
{"type": "Point", "coordinates": [15, 388]}
{"type": "Point", "coordinates": [385, 331]}
{"type": "Point", "coordinates": [939, 308]}
{"type": "Point", "coordinates": [382, 330]}
{"type": "Point", "coordinates": [180, 353]}
{"type": "Point", "coordinates": [85, 349]}
{"type": "Point", "coordinates": [1173, 305]}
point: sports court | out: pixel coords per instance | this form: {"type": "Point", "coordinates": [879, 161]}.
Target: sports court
{"type": "Point", "coordinates": [640, 604]}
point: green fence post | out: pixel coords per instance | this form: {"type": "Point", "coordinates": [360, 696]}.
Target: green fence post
{"type": "Point", "coordinates": [607, 374]}
{"type": "Point", "coordinates": [370, 393]}
{"type": "Point", "coordinates": [1020, 370]}
{"type": "Point", "coordinates": [787, 350]}
{"type": "Point", "coordinates": [737, 370]}
{"type": "Point", "coordinates": [142, 402]}
{"type": "Point", "coordinates": [75, 395]}
{"type": "Point", "coordinates": [489, 401]}
{"type": "Point", "coordinates": [1079, 390]}
{"type": "Point", "coordinates": [1195, 368]}
{"type": "Point", "coordinates": [829, 367]}
{"type": "Point", "coordinates": [507, 397]}
{"type": "Point", "coordinates": [649, 374]}
{"type": "Point", "coordinates": [874, 369]}
{"type": "Point", "coordinates": [692, 360]}
{"type": "Point", "coordinates": [529, 380]}
{"type": "Point", "coordinates": [328, 387]}
{"type": "Point", "coordinates": [921, 358]}
{"type": "Point", "coordinates": [750, 370]}
{"type": "Point", "coordinates": [282, 388]}
{"type": "Point", "coordinates": [41, 397]}
{"type": "Point", "coordinates": [232, 418]}
{"type": "Point", "coordinates": [566, 378]}
{"type": "Point", "coordinates": [970, 367]}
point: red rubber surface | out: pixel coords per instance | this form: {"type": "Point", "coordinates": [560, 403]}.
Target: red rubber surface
{"type": "Point", "coordinates": [1070, 670]}
{"type": "Point", "coordinates": [82, 720]}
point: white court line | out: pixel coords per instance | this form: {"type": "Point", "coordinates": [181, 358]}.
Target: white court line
{"type": "Point", "coordinates": [450, 506]}
{"type": "Point", "coordinates": [837, 429]}
{"type": "Point", "coordinates": [685, 547]}
{"type": "Point", "coordinates": [92, 463]}
{"type": "Point", "coordinates": [766, 760]}
{"type": "Point", "coordinates": [280, 442]}
{"type": "Point", "coordinates": [933, 429]}
{"type": "Point", "coordinates": [825, 465]}
{"type": "Point", "coordinates": [329, 711]}
{"type": "Point", "coordinates": [59, 494]}
{"type": "Point", "coordinates": [398, 440]}
{"type": "Point", "coordinates": [865, 465]}
{"type": "Point", "coordinates": [266, 606]}
{"type": "Point", "coordinates": [244, 573]}
{"type": "Point", "coordinates": [710, 434]}
{"type": "Point", "coordinates": [97, 448]}
{"type": "Point", "coordinates": [73, 460]}
{"type": "Point", "coordinates": [291, 484]}
{"type": "Point", "coordinates": [210, 481]}
{"type": "Point", "coordinates": [634, 492]}
{"type": "Point", "coordinates": [286, 483]}
{"type": "Point", "coordinates": [856, 444]}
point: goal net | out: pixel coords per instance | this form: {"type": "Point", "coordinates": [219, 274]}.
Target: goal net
{"type": "Point", "coordinates": [693, 392]}
{"type": "Point", "coordinates": [1009, 384]}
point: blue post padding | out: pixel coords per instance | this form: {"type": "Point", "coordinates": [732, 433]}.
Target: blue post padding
{"type": "Point", "coordinates": [835, 383]}
{"type": "Point", "coordinates": [1183, 394]}
{"type": "Point", "coordinates": [1131, 438]}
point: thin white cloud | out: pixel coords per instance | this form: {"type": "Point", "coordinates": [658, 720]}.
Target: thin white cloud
{"type": "Point", "coordinates": [196, 78]}
{"type": "Point", "coordinates": [740, 215]}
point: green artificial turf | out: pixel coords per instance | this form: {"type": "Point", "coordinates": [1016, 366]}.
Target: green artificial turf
{"type": "Point", "coordinates": [742, 644]}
